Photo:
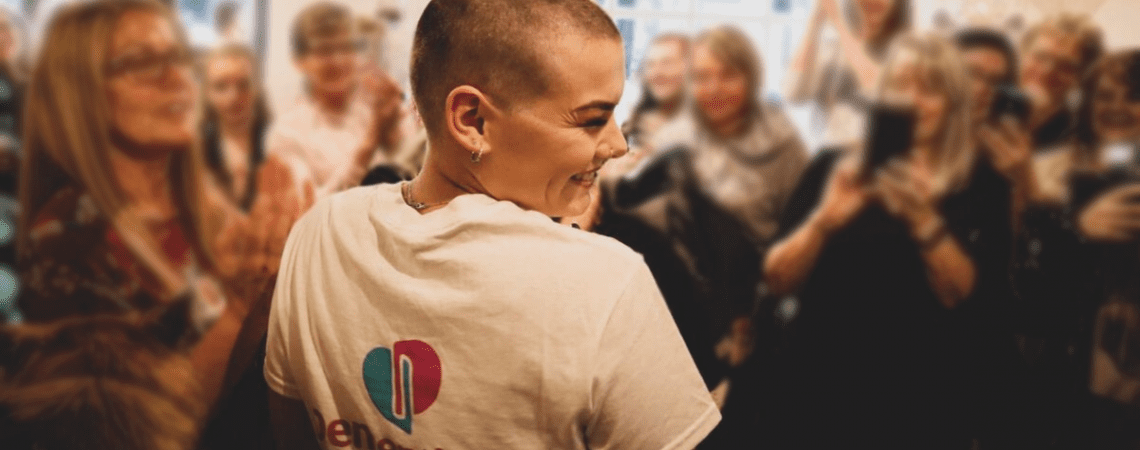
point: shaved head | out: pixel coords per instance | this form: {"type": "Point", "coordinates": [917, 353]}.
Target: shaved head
{"type": "Point", "coordinates": [497, 46]}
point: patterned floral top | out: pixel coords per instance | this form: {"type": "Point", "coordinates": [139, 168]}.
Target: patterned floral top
{"type": "Point", "coordinates": [79, 265]}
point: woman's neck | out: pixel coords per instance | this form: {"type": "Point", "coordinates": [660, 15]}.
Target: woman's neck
{"type": "Point", "coordinates": [436, 185]}
{"type": "Point", "coordinates": [241, 130]}
{"type": "Point", "coordinates": [145, 182]}
{"type": "Point", "coordinates": [728, 128]}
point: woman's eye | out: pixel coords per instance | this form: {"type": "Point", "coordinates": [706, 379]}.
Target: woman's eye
{"type": "Point", "coordinates": [595, 123]}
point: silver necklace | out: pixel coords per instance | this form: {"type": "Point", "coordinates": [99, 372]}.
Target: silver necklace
{"type": "Point", "coordinates": [406, 191]}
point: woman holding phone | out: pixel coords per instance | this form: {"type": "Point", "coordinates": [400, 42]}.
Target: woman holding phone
{"type": "Point", "coordinates": [1077, 251]}
{"type": "Point", "coordinates": [891, 265]}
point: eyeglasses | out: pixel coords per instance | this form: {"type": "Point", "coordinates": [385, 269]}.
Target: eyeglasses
{"type": "Point", "coordinates": [330, 48]}
{"type": "Point", "coordinates": [148, 67]}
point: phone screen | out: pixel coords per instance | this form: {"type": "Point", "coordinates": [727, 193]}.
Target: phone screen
{"type": "Point", "coordinates": [890, 133]}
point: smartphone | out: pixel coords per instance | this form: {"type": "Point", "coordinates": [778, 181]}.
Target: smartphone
{"type": "Point", "coordinates": [890, 133]}
{"type": "Point", "coordinates": [1009, 101]}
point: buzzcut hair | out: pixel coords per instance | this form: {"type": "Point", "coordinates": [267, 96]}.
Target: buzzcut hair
{"type": "Point", "coordinates": [320, 19]}
{"type": "Point", "coordinates": [494, 46]}
{"type": "Point", "coordinates": [988, 38]}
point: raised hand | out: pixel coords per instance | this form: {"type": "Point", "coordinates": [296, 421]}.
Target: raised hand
{"type": "Point", "coordinates": [843, 198]}
{"type": "Point", "coordinates": [906, 193]}
{"type": "Point", "coordinates": [385, 98]}
{"type": "Point", "coordinates": [1113, 216]}
{"type": "Point", "coordinates": [249, 248]}
{"type": "Point", "coordinates": [1009, 148]}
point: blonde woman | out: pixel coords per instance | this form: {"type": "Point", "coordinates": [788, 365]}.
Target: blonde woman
{"type": "Point", "coordinates": [891, 272]}
{"type": "Point", "coordinates": [117, 207]}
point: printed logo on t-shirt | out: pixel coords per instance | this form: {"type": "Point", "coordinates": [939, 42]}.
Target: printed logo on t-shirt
{"type": "Point", "coordinates": [409, 391]}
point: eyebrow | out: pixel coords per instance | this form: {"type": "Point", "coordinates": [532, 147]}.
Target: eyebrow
{"type": "Point", "coordinates": [597, 104]}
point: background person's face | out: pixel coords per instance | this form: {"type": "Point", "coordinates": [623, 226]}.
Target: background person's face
{"type": "Point", "coordinates": [229, 88]}
{"type": "Point", "coordinates": [987, 68]}
{"type": "Point", "coordinates": [150, 89]}
{"type": "Point", "coordinates": [906, 86]}
{"type": "Point", "coordinates": [1050, 67]}
{"type": "Point", "coordinates": [665, 71]}
{"type": "Point", "coordinates": [546, 152]}
{"type": "Point", "coordinates": [330, 64]}
{"type": "Point", "coordinates": [720, 90]}
{"type": "Point", "coordinates": [1114, 117]}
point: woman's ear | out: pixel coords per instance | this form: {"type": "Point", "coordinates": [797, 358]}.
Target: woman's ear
{"type": "Point", "coordinates": [466, 111]}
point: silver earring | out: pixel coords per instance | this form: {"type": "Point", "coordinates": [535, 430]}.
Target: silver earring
{"type": "Point", "coordinates": [477, 156]}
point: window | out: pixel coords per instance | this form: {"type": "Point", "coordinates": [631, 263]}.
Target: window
{"type": "Point", "coordinates": [770, 23]}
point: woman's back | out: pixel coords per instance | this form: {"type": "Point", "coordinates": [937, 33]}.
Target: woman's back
{"type": "Point", "coordinates": [513, 330]}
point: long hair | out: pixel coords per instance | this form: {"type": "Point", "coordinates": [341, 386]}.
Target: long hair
{"type": "Point", "coordinates": [648, 102]}
{"type": "Point", "coordinates": [67, 135]}
{"type": "Point", "coordinates": [898, 22]}
{"type": "Point", "coordinates": [1114, 66]}
{"type": "Point", "coordinates": [940, 65]}
{"type": "Point", "coordinates": [733, 48]}
{"type": "Point", "coordinates": [211, 124]}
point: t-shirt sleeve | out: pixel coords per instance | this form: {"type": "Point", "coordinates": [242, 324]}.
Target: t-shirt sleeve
{"type": "Point", "coordinates": [282, 334]}
{"type": "Point", "coordinates": [646, 391]}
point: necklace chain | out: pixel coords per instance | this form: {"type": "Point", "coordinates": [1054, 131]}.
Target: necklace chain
{"type": "Point", "coordinates": [406, 190]}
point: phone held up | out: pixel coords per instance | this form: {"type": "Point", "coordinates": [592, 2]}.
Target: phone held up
{"type": "Point", "coordinates": [890, 133]}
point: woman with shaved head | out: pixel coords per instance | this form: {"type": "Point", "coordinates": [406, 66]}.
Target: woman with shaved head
{"type": "Point", "coordinates": [450, 311]}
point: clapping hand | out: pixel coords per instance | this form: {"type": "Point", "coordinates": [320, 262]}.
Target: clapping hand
{"type": "Point", "coordinates": [1113, 216]}
{"type": "Point", "coordinates": [386, 99]}
{"type": "Point", "coordinates": [249, 248]}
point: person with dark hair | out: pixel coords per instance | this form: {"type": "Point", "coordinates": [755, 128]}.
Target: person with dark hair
{"type": "Point", "coordinates": [332, 135]}
{"type": "Point", "coordinates": [236, 118]}
{"type": "Point", "coordinates": [450, 311]}
{"type": "Point", "coordinates": [991, 62]}
{"type": "Point", "coordinates": [226, 22]}
{"type": "Point", "coordinates": [836, 78]}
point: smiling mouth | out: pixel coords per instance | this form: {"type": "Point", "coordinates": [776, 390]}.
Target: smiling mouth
{"type": "Point", "coordinates": [587, 178]}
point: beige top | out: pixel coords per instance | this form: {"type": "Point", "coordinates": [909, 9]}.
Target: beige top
{"type": "Point", "coordinates": [752, 175]}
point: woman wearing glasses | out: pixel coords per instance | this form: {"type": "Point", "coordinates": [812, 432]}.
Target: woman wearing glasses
{"type": "Point", "coordinates": [330, 135]}
{"type": "Point", "coordinates": [118, 214]}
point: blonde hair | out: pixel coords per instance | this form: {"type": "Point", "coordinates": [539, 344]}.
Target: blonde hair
{"type": "Point", "coordinates": [940, 66]}
{"type": "Point", "coordinates": [67, 135]}
{"type": "Point", "coordinates": [733, 48]}
{"type": "Point", "coordinates": [1089, 37]}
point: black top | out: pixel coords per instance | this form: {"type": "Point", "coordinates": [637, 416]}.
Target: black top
{"type": "Point", "coordinates": [1055, 131]}
{"type": "Point", "coordinates": [874, 358]}
{"type": "Point", "coordinates": [212, 140]}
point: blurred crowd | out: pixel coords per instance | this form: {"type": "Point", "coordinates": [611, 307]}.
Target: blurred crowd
{"type": "Point", "coordinates": [955, 266]}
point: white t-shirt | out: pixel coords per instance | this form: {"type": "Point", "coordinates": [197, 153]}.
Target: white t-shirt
{"type": "Point", "coordinates": [318, 147]}
{"type": "Point", "coordinates": [515, 332]}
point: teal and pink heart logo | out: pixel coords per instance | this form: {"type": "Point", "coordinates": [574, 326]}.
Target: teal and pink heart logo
{"type": "Point", "coordinates": [409, 391]}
